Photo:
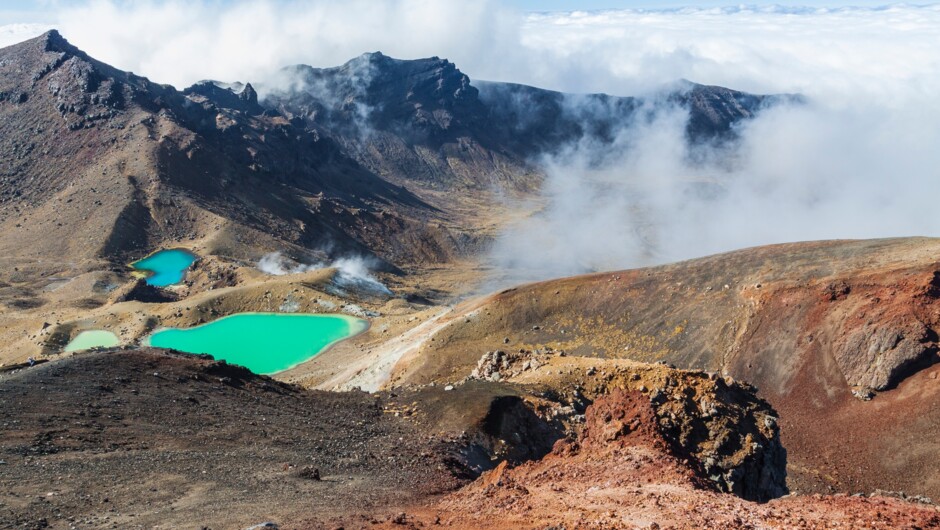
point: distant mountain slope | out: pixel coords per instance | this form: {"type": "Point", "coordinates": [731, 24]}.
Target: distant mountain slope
{"type": "Point", "coordinates": [99, 164]}
{"type": "Point", "coordinates": [424, 119]}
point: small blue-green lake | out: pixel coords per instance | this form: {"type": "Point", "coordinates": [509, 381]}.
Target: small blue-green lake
{"type": "Point", "coordinates": [265, 343]}
{"type": "Point", "coordinates": [93, 338]}
{"type": "Point", "coordinates": [166, 267]}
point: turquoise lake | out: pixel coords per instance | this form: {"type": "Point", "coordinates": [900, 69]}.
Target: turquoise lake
{"type": "Point", "coordinates": [166, 267]}
{"type": "Point", "coordinates": [94, 338]}
{"type": "Point", "coordinates": [265, 343]}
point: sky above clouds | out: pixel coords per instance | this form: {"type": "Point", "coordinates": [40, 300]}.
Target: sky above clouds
{"type": "Point", "coordinates": [764, 47]}
{"type": "Point", "coordinates": [859, 160]}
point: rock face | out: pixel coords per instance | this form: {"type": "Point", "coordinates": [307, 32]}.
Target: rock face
{"type": "Point", "coordinates": [728, 435]}
{"type": "Point", "coordinates": [622, 472]}
{"type": "Point", "coordinates": [807, 324]}
{"type": "Point", "coordinates": [753, 459]}
{"type": "Point", "coordinates": [744, 456]}
{"type": "Point", "coordinates": [884, 342]}
{"type": "Point", "coordinates": [425, 118]}
{"type": "Point", "coordinates": [138, 290]}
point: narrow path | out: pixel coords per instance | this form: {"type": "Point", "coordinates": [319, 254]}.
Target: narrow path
{"type": "Point", "coordinates": [374, 369]}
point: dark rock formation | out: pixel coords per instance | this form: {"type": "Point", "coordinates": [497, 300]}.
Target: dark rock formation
{"type": "Point", "coordinates": [139, 290]}
{"type": "Point", "coordinates": [389, 114]}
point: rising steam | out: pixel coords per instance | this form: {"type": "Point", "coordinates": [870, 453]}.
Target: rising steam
{"type": "Point", "coordinates": [352, 273]}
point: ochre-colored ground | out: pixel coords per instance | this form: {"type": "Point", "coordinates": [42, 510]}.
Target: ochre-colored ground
{"type": "Point", "coordinates": [619, 474]}
{"type": "Point", "coordinates": [806, 323]}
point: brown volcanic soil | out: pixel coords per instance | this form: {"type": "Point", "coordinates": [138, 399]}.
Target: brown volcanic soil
{"type": "Point", "coordinates": [806, 323]}
{"type": "Point", "coordinates": [143, 439]}
{"type": "Point", "coordinates": [620, 474]}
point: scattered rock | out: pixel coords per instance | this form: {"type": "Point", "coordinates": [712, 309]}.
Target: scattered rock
{"type": "Point", "coordinates": [309, 473]}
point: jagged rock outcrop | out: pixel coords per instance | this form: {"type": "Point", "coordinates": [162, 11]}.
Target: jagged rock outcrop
{"type": "Point", "coordinates": [730, 436]}
{"type": "Point", "coordinates": [140, 291]}
{"type": "Point", "coordinates": [427, 119]}
{"type": "Point", "coordinates": [813, 326]}
{"type": "Point", "coordinates": [622, 473]}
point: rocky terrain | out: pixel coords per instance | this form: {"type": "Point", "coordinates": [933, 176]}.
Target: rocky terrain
{"type": "Point", "coordinates": [621, 474]}
{"type": "Point", "coordinates": [158, 167]}
{"type": "Point", "coordinates": [838, 336]}
{"type": "Point", "coordinates": [399, 162]}
{"type": "Point", "coordinates": [425, 122]}
{"type": "Point", "coordinates": [791, 386]}
{"type": "Point", "coordinates": [144, 438]}
{"type": "Point", "coordinates": [355, 158]}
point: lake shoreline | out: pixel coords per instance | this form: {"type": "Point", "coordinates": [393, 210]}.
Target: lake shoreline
{"type": "Point", "coordinates": [355, 326]}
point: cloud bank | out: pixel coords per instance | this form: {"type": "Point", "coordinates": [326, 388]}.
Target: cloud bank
{"type": "Point", "coordinates": [859, 160]}
{"type": "Point", "coordinates": [799, 173]}
{"type": "Point", "coordinates": [14, 33]}
{"type": "Point", "coordinates": [621, 52]}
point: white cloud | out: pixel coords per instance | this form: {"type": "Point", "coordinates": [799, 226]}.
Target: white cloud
{"type": "Point", "coordinates": [183, 42]}
{"type": "Point", "coordinates": [763, 49]}
{"type": "Point", "coordinates": [800, 173]}
{"type": "Point", "coordinates": [816, 51]}
{"type": "Point", "coordinates": [14, 33]}
{"type": "Point", "coordinates": [859, 161]}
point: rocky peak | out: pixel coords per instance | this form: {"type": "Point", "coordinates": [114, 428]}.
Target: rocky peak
{"type": "Point", "coordinates": [53, 41]}
{"type": "Point", "coordinates": [248, 95]}
{"type": "Point", "coordinates": [423, 100]}
{"type": "Point", "coordinates": [233, 96]}
{"type": "Point", "coordinates": [84, 90]}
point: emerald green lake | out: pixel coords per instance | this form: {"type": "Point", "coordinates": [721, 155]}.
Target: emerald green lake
{"type": "Point", "coordinates": [94, 338]}
{"type": "Point", "coordinates": [166, 267]}
{"type": "Point", "coordinates": [265, 343]}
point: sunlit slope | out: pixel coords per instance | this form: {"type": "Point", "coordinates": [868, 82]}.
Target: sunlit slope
{"type": "Point", "coordinates": [807, 323]}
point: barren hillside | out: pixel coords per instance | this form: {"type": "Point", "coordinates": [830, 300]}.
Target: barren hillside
{"type": "Point", "coordinates": [840, 337]}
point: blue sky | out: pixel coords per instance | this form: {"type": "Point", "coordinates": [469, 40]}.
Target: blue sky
{"type": "Point", "coordinates": [37, 10]}
{"type": "Point", "coordinates": [43, 11]}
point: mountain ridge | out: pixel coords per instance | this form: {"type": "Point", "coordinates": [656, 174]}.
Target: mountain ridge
{"type": "Point", "coordinates": [360, 158]}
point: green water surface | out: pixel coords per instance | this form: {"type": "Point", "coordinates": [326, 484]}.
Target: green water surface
{"type": "Point", "coordinates": [94, 338]}
{"type": "Point", "coordinates": [265, 343]}
{"type": "Point", "coordinates": [167, 267]}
